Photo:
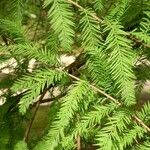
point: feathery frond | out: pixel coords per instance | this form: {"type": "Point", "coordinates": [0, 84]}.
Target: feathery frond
{"type": "Point", "coordinates": [35, 83]}
{"type": "Point", "coordinates": [45, 55]}
{"type": "Point", "coordinates": [129, 136]}
{"type": "Point", "coordinates": [99, 5]}
{"type": "Point", "coordinates": [144, 146]}
{"type": "Point", "coordinates": [92, 118]}
{"type": "Point", "coordinates": [108, 137]}
{"type": "Point", "coordinates": [144, 114]}
{"type": "Point", "coordinates": [119, 9]}
{"type": "Point", "coordinates": [15, 11]}
{"type": "Point", "coordinates": [70, 105]}
{"type": "Point", "coordinates": [11, 29]}
{"type": "Point", "coordinates": [97, 67]}
{"type": "Point", "coordinates": [61, 19]}
{"type": "Point", "coordinates": [90, 29]}
{"type": "Point", "coordinates": [120, 61]}
{"type": "Point", "coordinates": [145, 23]}
{"type": "Point", "coordinates": [142, 37]}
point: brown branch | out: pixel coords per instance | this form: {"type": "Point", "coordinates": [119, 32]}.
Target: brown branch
{"type": "Point", "coordinates": [78, 142]}
{"type": "Point", "coordinates": [47, 100]}
{"type": "Point", "coordinates": [27, 132]}
{"type": "Point", "coordinates": [97, 90]}
{"type": "Point", "coordinates": [137, 41]}
{"type": "Point", "coordinates": [141, 123]}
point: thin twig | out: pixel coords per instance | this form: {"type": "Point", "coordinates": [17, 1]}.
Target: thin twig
{"type": "Point", "coordinates": [97, 90]}
{"type": "Point", "coordinates": [27, 132]}
{"type": "Point", "coordinates": [80, 7]}
{"type": "Point", "coordinates": [141, 123]}
{"type": "Point", "coordinates": [78, 142]}
{"type": "Point", "coordinates": [94, 88]}
{"type": "Point", "coordinates": [52, 99]}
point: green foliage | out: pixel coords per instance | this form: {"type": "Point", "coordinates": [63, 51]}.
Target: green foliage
{"type": "Point", "coordinates": [15, 9]}
{"type": "Point", "coordinates": [121, 61]}
{"type": "Point", "coordinates": [93, 117]}
{"type": "Point", "coordinates": [70, 105]}
{"type": "Point", "coordinates": [21, 145]}
{"type": "Point", "coordinates": [108, 137]}
{"type": "Point", "coordinates": [145, 112]}
{"type": "Point", "coordinates": [90, 29]}
{"type": "Point", "coordinates": [129, 136]}
{"type": "Point", "coordinates": [142, 36]}
{"type": "Point", "coordinates": [98, 5]}
{"type": "Point", "coordinates": [145, 22]}
{"type": "Point", "coordinates": [145, 146]}
{"type": "Point", "coordinates": [35, 84]}
{"type": "Point", "coordinates": [63, 26]}
{"type": "Point", "coordinates": [122, 6]}
{"type": "Point", "coordinates": [11, 29]}
{"type": "Point", "coordinates": [98, 67]}
{"type": "Point", "coordinates": [95, 100]}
